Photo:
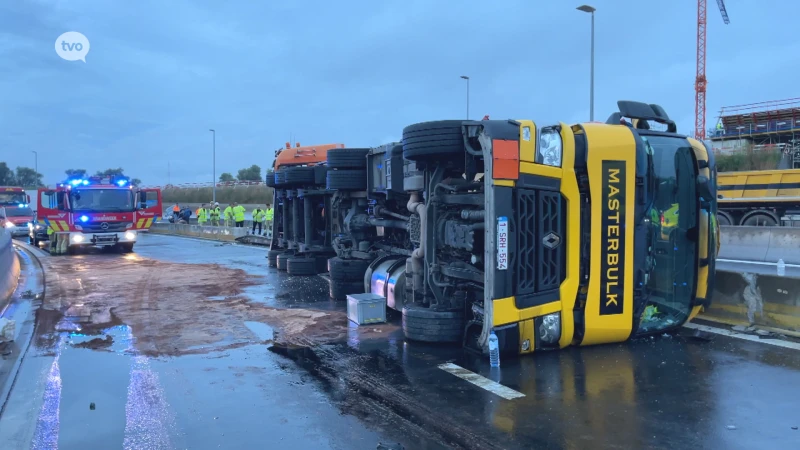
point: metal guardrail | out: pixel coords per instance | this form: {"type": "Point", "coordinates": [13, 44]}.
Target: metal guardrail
{"type": "Point", "coordinates": [9, 268]}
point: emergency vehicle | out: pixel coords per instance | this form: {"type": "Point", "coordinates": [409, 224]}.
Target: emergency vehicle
{"type": "Point", "coordinates": [95, 211]}
{"type": "Point", "coordinates": [15, 211]}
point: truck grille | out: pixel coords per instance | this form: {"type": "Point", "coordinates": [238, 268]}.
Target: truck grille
{"type": "Point", "coordinates": [540, 263]}
{"type": "Point", "coordinates": [113, 227]}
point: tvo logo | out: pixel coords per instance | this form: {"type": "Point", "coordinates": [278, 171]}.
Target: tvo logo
{"type": "Point", "coordinates": [72, 46]}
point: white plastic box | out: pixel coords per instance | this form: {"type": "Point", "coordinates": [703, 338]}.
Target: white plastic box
{"type": "Point", "coordinates": [365, 309]}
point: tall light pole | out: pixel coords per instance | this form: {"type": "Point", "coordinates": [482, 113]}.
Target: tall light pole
{"type": "Point", "coordinates": [35, 161]}
{"type": "Point", "coordinates": [591, 10]}
{"type": "Point", "coordinates": [214, 164]}
{"type": "Point", "coordinates": [464, 77]}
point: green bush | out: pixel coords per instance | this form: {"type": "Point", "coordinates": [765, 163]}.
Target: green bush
{"type": "Point", "coordinates": [737, 162]}
{"type": "Point", "coordinates": [240, 194]}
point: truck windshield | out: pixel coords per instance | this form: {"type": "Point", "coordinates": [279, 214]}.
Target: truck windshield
{"type": "Point", "coordinates": [12, 198]}
{"type": "Point", "coordinates": [673, 214]}
{"type": "Point", "coordinates": [101, 200]}
{"type": "Point", "coordinates": [19, 212]}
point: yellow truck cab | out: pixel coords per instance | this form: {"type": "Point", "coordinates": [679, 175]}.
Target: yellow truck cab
{"type": "Point", "coordinates": [574, 255]}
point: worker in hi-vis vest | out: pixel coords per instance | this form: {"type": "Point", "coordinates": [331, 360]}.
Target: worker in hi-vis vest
{"type": "Point", "coordinates": [258, 220]}
{"type": "Point", "coordinates": [238, 214]}
{"type": "Point", "coordinates": [227, 214]}
{"type": "Point", "coordinates": [214, 212]}
{"type": "Point", "coordinates": [202, 214]}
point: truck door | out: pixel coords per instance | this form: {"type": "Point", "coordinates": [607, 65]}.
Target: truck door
{"type": "Point", "coordinates": [51, 209]}
{"type": "Point", "coordinates": [149, 208]}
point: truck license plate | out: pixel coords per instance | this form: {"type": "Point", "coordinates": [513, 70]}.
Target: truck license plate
{"type": "Point", "coordinates": [502, 243]}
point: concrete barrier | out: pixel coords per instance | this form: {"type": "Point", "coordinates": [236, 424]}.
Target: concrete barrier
{"type": "Point", "coordinates": [765, 244]}
{"type": "Point", "coordinates": [9, 268]}
{"type": "Point", "coordinates": [214, 233]}
{"type": "Point", "coordinates": [750, 299]}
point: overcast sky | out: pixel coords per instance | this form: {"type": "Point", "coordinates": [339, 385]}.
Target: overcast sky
{"type": "Point", "coordinates": [161, 73]}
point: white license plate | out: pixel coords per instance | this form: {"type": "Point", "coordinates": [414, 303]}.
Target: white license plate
{"type": "Point", "coordinates": [502, 243]}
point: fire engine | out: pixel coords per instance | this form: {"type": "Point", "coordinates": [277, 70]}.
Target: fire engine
{"type": "Point", "coordinates": [15, 213]}
{"type": "Point", "coordinates": [96, 211]}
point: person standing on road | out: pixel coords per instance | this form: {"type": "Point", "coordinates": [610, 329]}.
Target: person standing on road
{"type": "Point", "coordinates": [214, 213]}
{"type": "Point", "coordinates": [202, 215]}
{"type": "Point", "coordinates": [268, 217]}
{"type": "Point", "coordinates": [258, 219]}
{"type": "Point", "coordinates": [238, 214]}
{"type": "Point", "coordinates": [176, 212]}
{"type": "Point", "coordinates": [228, 215]}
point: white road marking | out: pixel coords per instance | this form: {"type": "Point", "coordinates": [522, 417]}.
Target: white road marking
{"type": "Point", "coordinates": [758, 263]}
{"type": "Point", "coordinates": [747, 337]}
{"type": "Point", "coordinates": [481, 382]}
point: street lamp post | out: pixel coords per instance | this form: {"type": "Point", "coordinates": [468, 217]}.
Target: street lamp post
{"type": "Point", "coordinates": [214, 164]}
{"type": "Point", "coordinates": [464, 77]}
{"type": "Point", "coordinates": [590, 10]}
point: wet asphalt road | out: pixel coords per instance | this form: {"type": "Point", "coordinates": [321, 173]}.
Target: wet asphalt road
{"type": "Point", "coordinates": [667, 392]}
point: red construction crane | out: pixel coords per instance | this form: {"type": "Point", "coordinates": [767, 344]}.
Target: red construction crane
{"type": "Point", "coordinates": [700, 80]}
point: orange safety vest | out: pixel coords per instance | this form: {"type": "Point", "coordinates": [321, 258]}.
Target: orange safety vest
{"type": "Point", "coordinates": [176, 209]}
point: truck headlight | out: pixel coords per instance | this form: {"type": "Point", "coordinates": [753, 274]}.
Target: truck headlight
{"type": "Point", "coordinates": [550, 147]}
{"type": "Point", "coordinates": [9, 224]}
{"type": "Point", "coordinates": [550, 328]}
{"type": "Point", "coordinates": [130, 235]}
{"type": "Point", "coordinates": [77, 238]}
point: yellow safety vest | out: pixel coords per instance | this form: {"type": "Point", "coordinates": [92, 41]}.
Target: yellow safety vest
{"type": "Point", "coordinates": [270, 214]}
{"type": "Point", "coordinates": [202, 215]}
{"type": "Point", "coordinates": [258, 215]}
{"type": "Point", "coordinates": [238, 213]}
{"type": "Point", "coordinates": [228, 213]}
{"type": "Point", "coordinates": [215, 213]}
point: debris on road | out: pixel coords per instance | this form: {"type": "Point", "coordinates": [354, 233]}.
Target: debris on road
{"type": "Point", "coordinates": [7, 330]}
{"type": "Point", "coordinates": [173, 308]}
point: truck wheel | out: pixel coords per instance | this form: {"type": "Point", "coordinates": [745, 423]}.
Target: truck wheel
{"type": "Point", "coordinates": [724, 219]}
{"type": "Point", "coordinates": [320, 175]}
{"type": "Point", "coordinates": [426, 325]}
{"type": "Point", "coordinates": [340, 269]}
{"type": "Point", "coordinates": [272, 257]}
{"type": "Point", "coordinates": [341, 289]}
{"type": "Point", "coordinates": [280, 177]}
{"type": "Point", "coordinates": [300, 265]}
{"type": "Point", "coordinates": [760, 220]}
{"type": "Point", "coordinates": [125, 248]}
{"type": "Point", "coordinates": [300, 175]}
{"type": "Point", "coordinates": [282, 260]}
{"type": "Point", "coordinates": [348, 158]}
{"type": "Point", "coordinates": [270, 178]}
{"type": "Point", "coordinates": [347, 180]}
{"type": "Point", "coordinates": [429, 140]}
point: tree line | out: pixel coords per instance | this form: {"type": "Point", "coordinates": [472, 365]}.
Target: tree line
{"type": "Point", "coordinates": [252, 173]}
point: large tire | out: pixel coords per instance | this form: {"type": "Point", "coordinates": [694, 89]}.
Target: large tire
{"type": "Point", "coordinates": [280, 177]}
{"type": "Point", "coordinates": [320, 175]}
{"type": "Point", "coordinates": [282, 260]}
{"type": "Point", "coordinates": [300, 265]}
{"type": "Point", "coordinates": [339, 290]}
{"type": "Point", "coordinates": [272, 257]}
{"type": "Point", "coordinates": [429, 140]}
{"type": "Point", "coordinates": [724, 219]}
{"type": "Point", "coordinates": [299, 175]}
{"type": "Point", "coordinates": [347, 180]}
{"type": "Point", "coordinates": [348, 158]}
{"type": "Point", "coordinates": [340, 269]}
{"type": "Point", "coordinates": [270, 178]}
{"type": "Point", "coordinates": [760, 220]}
{"type": "Point", "coordinates": [426, 325]}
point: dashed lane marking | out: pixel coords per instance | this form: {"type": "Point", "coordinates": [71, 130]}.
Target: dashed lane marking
{"type": "Point", "coordinates": [747, 337]}
{"type": "Point", "coordinates": [481, 382]}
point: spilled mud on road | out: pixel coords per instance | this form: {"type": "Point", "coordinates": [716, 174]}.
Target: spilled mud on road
{"type": "Point", "coordinates": [171, 308]}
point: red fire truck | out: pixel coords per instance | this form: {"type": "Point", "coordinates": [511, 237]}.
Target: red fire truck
{"type": "Point", "coordinates": [15, 213]}
{"type": "Point", "coordinates": [95, 211]}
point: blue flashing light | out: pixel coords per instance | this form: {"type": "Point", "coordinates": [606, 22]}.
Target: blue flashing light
{"type": "Point", "coordinates": [22, 205]}
{"type": "Point", "coordinates": [84, 219]}
{"type": "Point", "coordinates": [85, 182]}
{"type": "Point", "coordinates": [75, 182]}
{"type": "Point", "coordinates": [121, 183]}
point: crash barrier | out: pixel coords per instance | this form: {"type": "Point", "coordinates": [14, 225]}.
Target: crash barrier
{"type": "Point", "coordinates": [9, 268]}
{"type": "Point", "coordinates": [751, 299]}
{"type": "Point", "coordinates": [765, 244]}
{"type": "Point", "coordinates": [215, 233]}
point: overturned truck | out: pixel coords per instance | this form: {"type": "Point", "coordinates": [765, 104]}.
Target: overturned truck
{"type": "Point", "coordinates": [548, 235]}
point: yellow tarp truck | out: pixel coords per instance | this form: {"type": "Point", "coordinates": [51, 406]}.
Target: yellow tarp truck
{"type": "Point", "coordinates": [758, 198]}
